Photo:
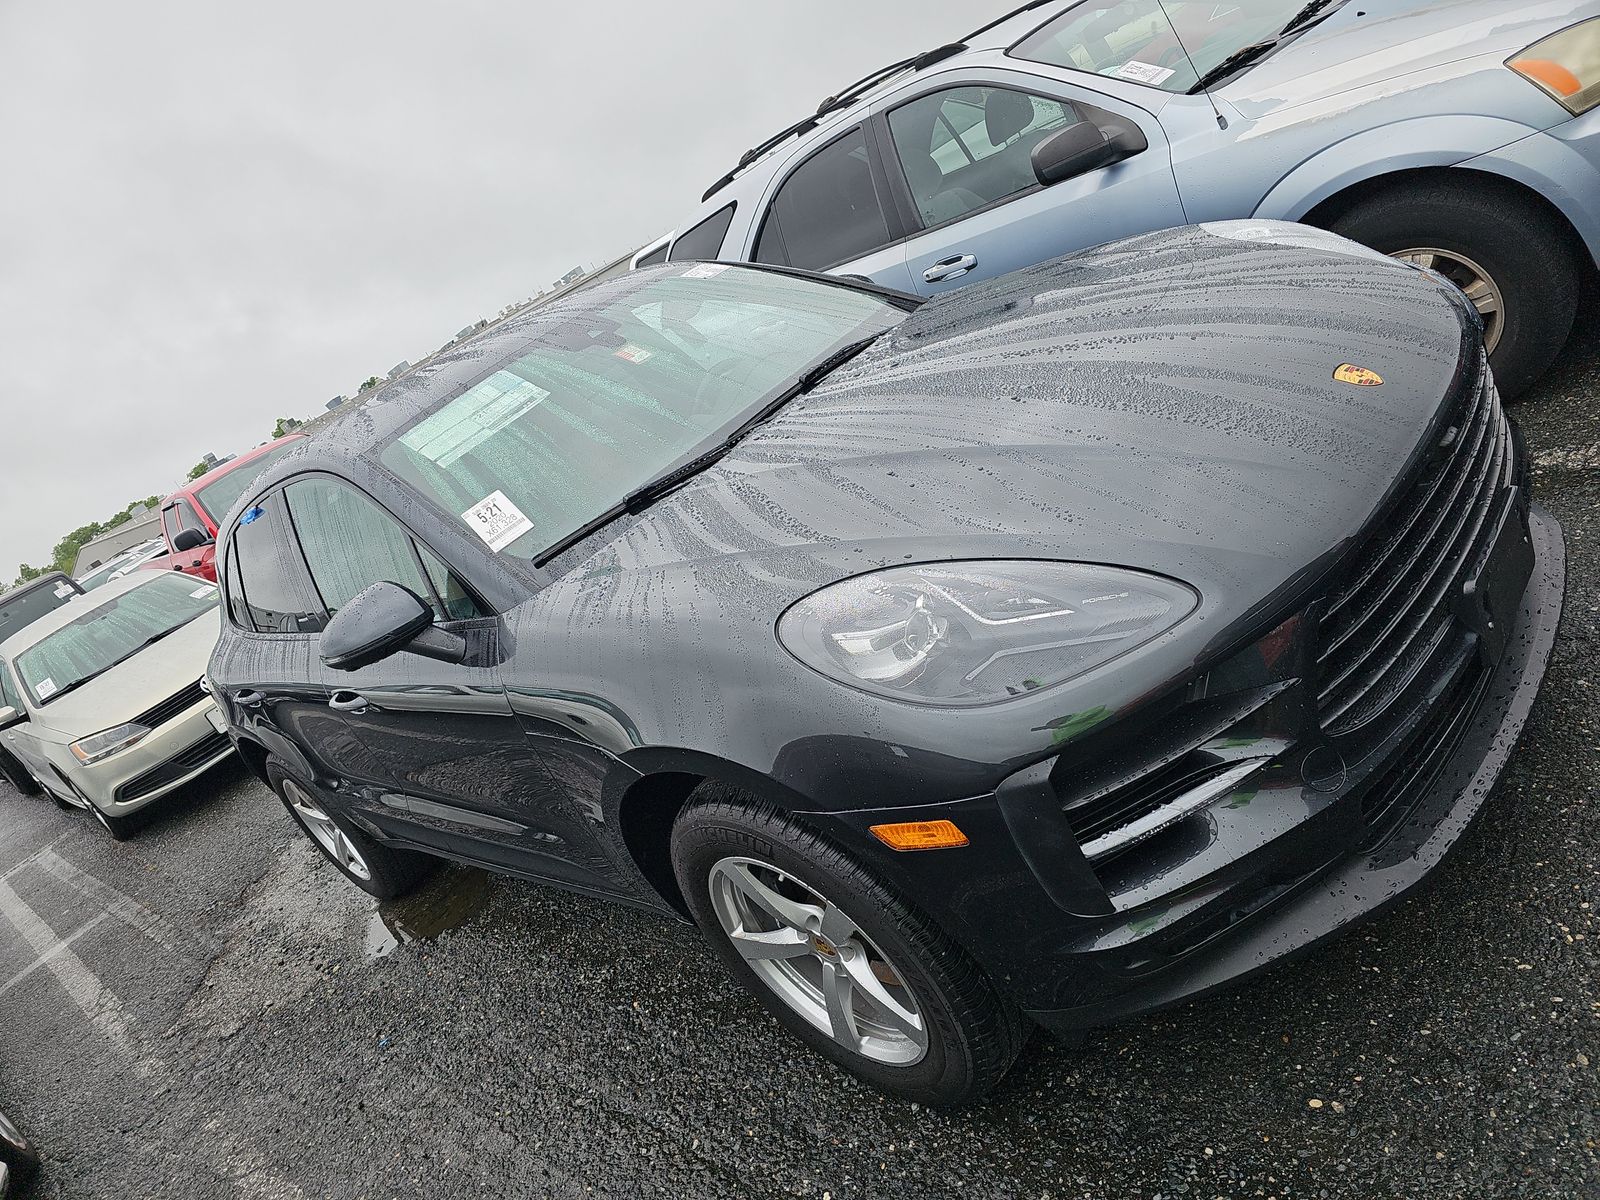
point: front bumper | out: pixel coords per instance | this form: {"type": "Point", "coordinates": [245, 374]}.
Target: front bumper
{"type": "Point", "coordinates": [168, 757]}
{"type": "Point", "coordinates": [1266, 874]}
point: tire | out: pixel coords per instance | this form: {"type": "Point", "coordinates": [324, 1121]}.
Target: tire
{"type": "Point", "coordinates": [379, 870]}
{"type": "Point", "coordinates": [120, 828]}
{"type": "Point", "coordinates": [1526, 251]}
{"type": "Point", "coordinates": [19, 1157]}
{"type": "Point", "coordinates": [14, 773]}
{"type": "Point", "coordinates": [969, 1034]}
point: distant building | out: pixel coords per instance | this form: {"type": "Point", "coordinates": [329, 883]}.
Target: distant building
{"type": "Point", "coordinates": [336, 402]}
{"type": "Point", "coordinates": [400, 368]}
{"type": "Point", "coordinates": [140, 528]}
{"type": "Point", "coordinates": [571, 276]}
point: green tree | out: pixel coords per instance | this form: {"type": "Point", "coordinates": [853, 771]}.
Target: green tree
{"type": "Point", "coordinates": [66, 551]}
{"type": "Point", "coordinates": [198, 469]}
{"type": "Point", "coordinates": [284, 425]}
{"type": "Point", "coordinates": [372, 382]}
{"type": "Point", "coordinates": [25, 573]}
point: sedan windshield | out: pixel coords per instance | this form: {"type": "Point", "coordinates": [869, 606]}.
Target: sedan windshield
{"type": "Point", "coordinates": [622, 391]}
{"type": "Point", "coordinates": [1168, 44]}
{"type": "Point", "coordinates": [113, 631]}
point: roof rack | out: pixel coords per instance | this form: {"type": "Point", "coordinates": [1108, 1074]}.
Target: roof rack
{"type": "Point", "coordinates": [849, 95]}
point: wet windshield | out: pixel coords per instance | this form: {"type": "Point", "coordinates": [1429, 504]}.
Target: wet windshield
{"type": "Point", "coordinates": [111, 632]}
{"type": "Point", "coordinates": [620, 392]}
{"type": "Point", "coordinates": [1136, 40]}
{"type": "Point", "coordinates": [218, 497]}
{"type": "Point", "coordinates": [21, 610]}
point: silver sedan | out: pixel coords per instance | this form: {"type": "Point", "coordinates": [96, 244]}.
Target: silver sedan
{"type": "Point", "coordinates": [103, 702]}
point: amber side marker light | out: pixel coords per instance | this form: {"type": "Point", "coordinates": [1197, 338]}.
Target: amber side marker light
{"type": "Point", "coordinates": [920, 835]}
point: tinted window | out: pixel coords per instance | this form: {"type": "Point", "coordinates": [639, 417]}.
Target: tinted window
{"type": "Point", "coordinates": [965, 148]}
{"type": "Point", "coordinates": [25, 608]}
{"type": "Point", "coordinates": [827, 212]}
{"type": "Point", "coordinates": [220, 495]}
{"type": "Point", "coordinates": [271, 576]}
{"type": "Point", "coordinates": [704, 241]}
{"type": "Point", "coordinates": [350, 543]}
{"type": "Point", "coordinates": [645, 373]}
{"type": "Point", "coordinates": [9, 696]}
{"type": "Point", "coordinates": [658, 255]}
{"type": "Point", "coordinates": [1136, 40]}
{"type": "Point", "coordinates": [186, 518]}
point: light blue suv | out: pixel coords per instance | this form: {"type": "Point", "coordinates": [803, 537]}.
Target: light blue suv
{"type": "Point", "coordinates": [1463, 135]}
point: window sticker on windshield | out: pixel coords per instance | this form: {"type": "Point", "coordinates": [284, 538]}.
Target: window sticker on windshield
{"type": "Point", "coordinates": [704, 271]}
{"type": "Point", "coordinates": [497, 521]}
{"type": "Point", "coordinates": [1143, 72]}
{"type": "Point", "coordinates": [202, 593]}
{"type": "Point", "coordinates": [45, 688]}
{"type": "Point", "coordinates": [62, 591]}
{"type": "Point", "coordinates": [632, 353]}
{"type": "Point", "coordinates": [474, 417]}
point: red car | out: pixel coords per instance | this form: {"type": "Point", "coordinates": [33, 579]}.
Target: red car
{"type": "Point", "coordinates": [189, 516]}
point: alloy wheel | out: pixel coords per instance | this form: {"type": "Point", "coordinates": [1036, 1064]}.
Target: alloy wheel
{"type": "Point", "coordinates": [818, 961]}
{"type": "Point", "coordinates": [1478, 284]}
{"type": "Point", "coordinates": [328, 835]}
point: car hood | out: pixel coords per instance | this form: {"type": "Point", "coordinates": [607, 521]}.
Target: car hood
{"type": "Point", "coordinates": [134, 686]}
{"type": "Point", "coordinates": [1373, 41]}
{"type": "Point", "coordinates": [1166, 403]}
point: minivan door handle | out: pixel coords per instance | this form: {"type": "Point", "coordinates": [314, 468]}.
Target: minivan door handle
{"type": "Point", "coordinates": [953, 267]}
{"type": "Point", "coordinates": [348, 702]}
{"type": "Point", "coordinates": [248, 699]}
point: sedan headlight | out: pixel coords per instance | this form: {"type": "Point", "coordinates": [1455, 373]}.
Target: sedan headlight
{"type": "Point", "coordinates": [106, 743]}
{"type": "Point", "coordinates": [968, 633]}
{"type": "Point", "coordinates": [1566, 65]}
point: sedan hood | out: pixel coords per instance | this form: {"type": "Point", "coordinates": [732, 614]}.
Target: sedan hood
{"type": "Point", "coordinates": [1166, 403]}
{"type": "Point", "coordinates": [1371, 42]}
{"type": "Point", "coordinates": [134, 686]}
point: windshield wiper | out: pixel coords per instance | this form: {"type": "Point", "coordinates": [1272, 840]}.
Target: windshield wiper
{"type": "Point", "coordinates": [1310, 14]}
{"type": "Point", "coordinates": [643, 496]}
{"type": "Point", "coordinates": [78, 683]}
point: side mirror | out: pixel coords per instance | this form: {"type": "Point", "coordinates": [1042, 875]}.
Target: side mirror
{"type": "Point", "coordinates": [381, 621]}
{"type": "Point", "coordinates": [189, 539]}
{"type": "Point", "coordinates": [9, 716]}
{"type": "Point", "coordinates": [1084, 147]}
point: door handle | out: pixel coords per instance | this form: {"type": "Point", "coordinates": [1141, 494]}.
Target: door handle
{"type": "Point", "coordinates": [248, 699]}
{"type": "Point", "coordinates": [348, 702]}
{"type": "Point", "coordinates": [953, 267]}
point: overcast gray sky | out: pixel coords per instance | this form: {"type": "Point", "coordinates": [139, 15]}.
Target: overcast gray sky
{"type": "Point", "coordinates": [213, 215]}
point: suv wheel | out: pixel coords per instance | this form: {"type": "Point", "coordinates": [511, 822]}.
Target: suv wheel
{"type": "Point", "coordinates": [1514, 259]}
{"type": "Point", "coordinates": [380, 870]}
{"type": "Point", "coordinates": [837, 958]}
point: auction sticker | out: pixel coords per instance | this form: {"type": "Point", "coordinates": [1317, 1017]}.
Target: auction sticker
{"type": "Point", "coordinates": [202, 593]}
{"type": "Point", "coordinates": [706, 270]}
{"type": "Point", "coordinates": [632, 353]}
{"type": "Point", "coordinates": [62, 591]}
{"type": "Point", "coordinates": [1143, 72]}
{"type": "Point", "coordinates": [45, 688]}
{"type": "Point", "coordinates": [497, 521]}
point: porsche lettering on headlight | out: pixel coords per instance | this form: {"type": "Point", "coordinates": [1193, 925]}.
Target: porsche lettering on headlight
{"type": "Point", "coordinates": [968, 633]}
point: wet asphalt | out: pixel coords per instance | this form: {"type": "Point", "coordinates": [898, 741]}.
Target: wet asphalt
{"type": "Point", "coordinates": [218, 1014]}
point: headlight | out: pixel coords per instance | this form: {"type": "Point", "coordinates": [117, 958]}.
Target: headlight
{"type": "Point", "coordinates": [106, 743]}
{"type": "Point", "coordinates": [1566, 65]}
{"type": "Point", "coordinates": [967, 633]}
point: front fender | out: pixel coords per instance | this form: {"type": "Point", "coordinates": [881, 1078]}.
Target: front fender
{"type": "Point", "coordinates": [1441, 141]}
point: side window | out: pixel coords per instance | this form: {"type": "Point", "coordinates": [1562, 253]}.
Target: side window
{"type": "Point", "coordinates": [965, 148]}
{"type": "Point", "coordinates": [268, 575]}
{"type": "Point", "coordinates": [704, 242]}
{"type": "Point", "coordinates": [658, 255]}
{"type": "Point", "coordinates": [233, 590]}
{"type": "Point", "coordinates": [169, 523]}
{"type": "Point", "coordinates": [350, 543]}
{"type": "Point", "coordinates": [827, 212]}
{"type": "Point", "coordinates": [188, 519]}
{"type": "Point", "coordinates": [8, 690]}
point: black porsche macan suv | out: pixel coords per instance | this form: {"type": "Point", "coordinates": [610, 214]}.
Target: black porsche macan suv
{"type": "Point", "coordinates": [1048, 652]}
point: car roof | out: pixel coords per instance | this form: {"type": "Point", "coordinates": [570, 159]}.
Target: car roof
{"type": "Point", "coordinates": [73, 609]}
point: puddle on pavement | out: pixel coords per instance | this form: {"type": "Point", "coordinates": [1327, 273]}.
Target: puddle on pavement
{"type": "Point", "coordinates": [449, 899]}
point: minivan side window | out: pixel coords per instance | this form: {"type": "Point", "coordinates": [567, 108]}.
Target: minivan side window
{"type": "Point", "coordinates": [350, 543]}
{"type": "Point", "coordinates": [269, 574]}
{"type": "Point", "coordinates": [965, 148]}
{"type": "Point", "coordinates": [827, 212]}
{"type": "Point", "coordinates": [704, 242]}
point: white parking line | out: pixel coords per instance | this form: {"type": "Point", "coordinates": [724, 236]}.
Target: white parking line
{"type": "Point", "coordinates": [122, 906]}
{"type": "Point", "coordinates": [92, 923]}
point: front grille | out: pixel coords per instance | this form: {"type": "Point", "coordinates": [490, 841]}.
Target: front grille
{"type": "Point", "coordinates": [191, 758]}
{"type": "Point", "coordinates": [1096, 816]}
{"type": "Point", "coordinates": [1396, 612]}
{"type": "Point", "coordinates": [161, 713]}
